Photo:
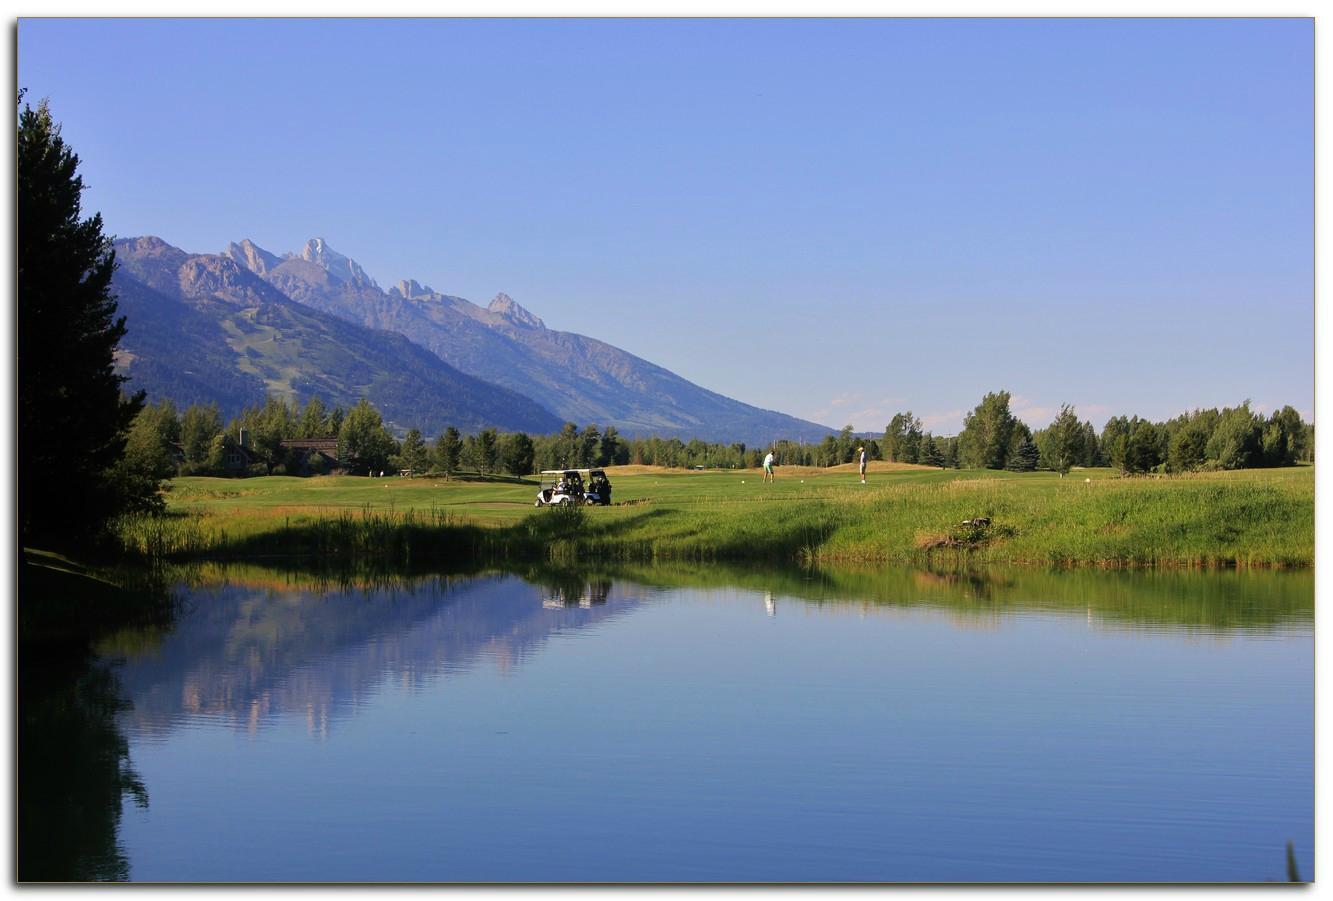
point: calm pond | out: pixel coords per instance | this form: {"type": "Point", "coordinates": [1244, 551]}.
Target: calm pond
{"type": "Point", "coordinates": [702, 724]}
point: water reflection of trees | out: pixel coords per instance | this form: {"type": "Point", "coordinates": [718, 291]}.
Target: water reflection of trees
{"type": "Point", "coordinates": [73, 763]}
{"type": "Point", "coordinates": [1207, 600]}
{"type": "Point", "coordinates": [74, 771]}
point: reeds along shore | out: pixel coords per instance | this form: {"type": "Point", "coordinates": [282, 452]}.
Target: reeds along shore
{"type": "Point", "coordinates": [1259, 519]}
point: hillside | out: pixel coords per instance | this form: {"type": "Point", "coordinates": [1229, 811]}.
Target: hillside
{"type": "Point", "coordinates": [202, 328]}
{"type": "Point", "coordinates": [581, 379]}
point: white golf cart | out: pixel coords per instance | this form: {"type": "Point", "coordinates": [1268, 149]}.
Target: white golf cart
{"type": "Point", "coordinates": [574, 486]}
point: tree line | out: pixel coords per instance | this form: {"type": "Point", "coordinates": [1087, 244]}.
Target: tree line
{"type": "Point", "coordinates": [994, 438]}
{"type": "Point", "coordinates": [162, 444]}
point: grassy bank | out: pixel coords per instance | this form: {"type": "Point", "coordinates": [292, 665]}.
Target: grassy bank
{"type": "Point", "coordinates": [905, 515]}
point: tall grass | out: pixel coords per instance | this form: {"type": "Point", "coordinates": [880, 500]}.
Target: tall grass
{"type": "Point", "coordinates": [1102, 523]}
{"type": "Point", "coordinates": [1239, 520]}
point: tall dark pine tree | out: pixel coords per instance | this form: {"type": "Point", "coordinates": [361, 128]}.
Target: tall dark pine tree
{"type": "Point", "coordinates": [72, 417]}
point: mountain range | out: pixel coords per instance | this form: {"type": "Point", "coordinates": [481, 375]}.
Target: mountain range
{"type": "Point", "coordinates": [233, 326]}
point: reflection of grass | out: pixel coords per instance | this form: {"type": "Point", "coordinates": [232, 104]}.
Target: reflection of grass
{"type": "Point", "coordinates": [1226, 599]}
{"type": "Point", "coordinates": [64, 602]}
{"type": "Point", "coordinates": [1208, 600]}
{"type": "Point", "coordinates": [1254, 518]}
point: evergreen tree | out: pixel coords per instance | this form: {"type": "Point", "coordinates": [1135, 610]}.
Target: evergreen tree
{"type": "Point", "coordinates": [413, 455]}
{"type": "Point", "coordinates": [565, 447]}
{"type": "Point", "coordinates": [516, 453]}
{"type": "Point", "coordinates": [1142, 449]}
{"type": "Point", "coordinates": [589, 446]}
{"type": "Point", "coordinates": [949, 448]}
{"type": "Point", "coordinates": [314, 421]}
{"type": "Point", "coordinates": [930, 452]}
{"type": "Point", "coordinates": [73, 420]}
{"type": "Point", "coordinates": [486, 451]}
{"type": "Point", "coordinates": [1091, 453]}
{"type": "Point", "coordinates": [448, 452]}
{"type": "Point", "coordinates": [615, 453]}
{"type": "Point", "coordinates": [1024, 456]}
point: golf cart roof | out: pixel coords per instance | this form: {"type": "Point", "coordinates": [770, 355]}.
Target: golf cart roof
{"type": "Point", "coordinates": [560, 472]}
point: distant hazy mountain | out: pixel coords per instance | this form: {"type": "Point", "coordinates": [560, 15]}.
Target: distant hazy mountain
{"type": "Point", "coordinates": [204, 328]}
{"type": "Point", "coordinates": [579, 378]}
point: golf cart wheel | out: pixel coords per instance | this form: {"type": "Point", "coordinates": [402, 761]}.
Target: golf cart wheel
{"type": "Point", "coordinates": [565, 502]}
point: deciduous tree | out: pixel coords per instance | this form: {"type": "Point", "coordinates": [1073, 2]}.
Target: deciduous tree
{"type": "Point", "coordinates": [1237, 440]}
{"type": "Point", "coordinates": [147, 458]}
{"type": "Point", "coordinates": [199, 425]}
{"type": "Point", "coordinates": [902, 439]}
{"type": "Point", "coordinates": [1065, 437]}
{"type": "Point", "coordinates": [1188, 446]}
{"type": "Point", "coordinates": [987, 432]}
{"type": "Point", "coordinates": [363, 443]}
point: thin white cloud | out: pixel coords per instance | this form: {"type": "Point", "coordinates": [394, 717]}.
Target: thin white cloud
{"type": "Point", "coordinates": [870, 415]}
{"type": "Point", "coordinates": [948, 422]}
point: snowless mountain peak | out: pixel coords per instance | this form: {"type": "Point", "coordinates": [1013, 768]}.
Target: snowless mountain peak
{"type": "Point", "coordinates": [409, 289]}
{"type": "Point", "coordinates": [318, 251]}
{"type": "Point", "coordinates": [506, 306]}
{"type": "Point", "coordinates": [251, 256]}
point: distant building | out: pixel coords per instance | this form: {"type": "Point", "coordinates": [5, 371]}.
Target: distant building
{"type": "Point", "coordinates": [236, 457]}
{"type": "Point", "coordinates": [310, 456]}
{"type": "Point", "coordinates": [176, 451]}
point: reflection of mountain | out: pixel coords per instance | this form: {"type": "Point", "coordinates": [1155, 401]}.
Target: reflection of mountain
{"type": "Point", "coordinates": [243, 653]}
{"type": "Point", "coordinates": [253, 646]}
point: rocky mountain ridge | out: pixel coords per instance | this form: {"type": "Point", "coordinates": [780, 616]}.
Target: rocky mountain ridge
{"type": "Point", "coordinates": [205, 328]}
{"type": "Point", "coordinates": [580, 378]}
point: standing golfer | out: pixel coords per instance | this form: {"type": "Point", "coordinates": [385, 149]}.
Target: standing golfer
{"type": "Point", "coordinates": [862, 452]}
{"type": "Point", "coordinates": [768, 468]}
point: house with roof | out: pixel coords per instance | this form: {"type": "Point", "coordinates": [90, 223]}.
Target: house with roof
{"type": "Point", "coordinates": [311, 456]}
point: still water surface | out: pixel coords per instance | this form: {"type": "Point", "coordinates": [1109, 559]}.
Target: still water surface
{"type": "Point", "coordinates": [747, 726]}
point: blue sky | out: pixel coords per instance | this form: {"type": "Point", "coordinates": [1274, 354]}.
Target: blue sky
{"type": "Point", "coordinates": [837, 219]}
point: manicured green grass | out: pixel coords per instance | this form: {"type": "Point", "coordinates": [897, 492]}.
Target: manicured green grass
{"type": "Point", "coordinates": [909, 515]}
